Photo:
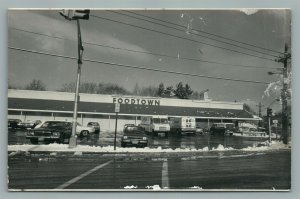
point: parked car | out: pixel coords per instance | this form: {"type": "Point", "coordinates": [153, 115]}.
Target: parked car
{"type": "Point", "coordinates": [29, 124]}
{"type": "Point", "coordinates": [51, 131]}
{"type": "Point", "coordinates": [127, 125]}
{"type": "Point", "coordinates": [82, 131]}
{"type": "Point", "coordinates": [134, 136]}
{"type": "Point", "coordinates": [221, 128]}
{"type": "Point", "coordinates": [13, 123]}
{"type": "Point", "coordinates": [96, 125]}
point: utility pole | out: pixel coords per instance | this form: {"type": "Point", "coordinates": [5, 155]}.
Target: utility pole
{"type": "Point", "coordinates": [284, 60]}
{"type": "Point", "coordinates": [269, 115]}
{"type": "Point", "coordinates": [73, 138]}
{"type": "Point", "coordinates": [76, 15]}
{"type": "Point", "coordinates": [259, 113]}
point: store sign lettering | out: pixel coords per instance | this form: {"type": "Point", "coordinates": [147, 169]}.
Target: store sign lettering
{"type": "Point", "coordinates": [149, 102]}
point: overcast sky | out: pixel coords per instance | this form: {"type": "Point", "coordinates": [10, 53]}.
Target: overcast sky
{"type": "Point", "coordinates": [268, 29]}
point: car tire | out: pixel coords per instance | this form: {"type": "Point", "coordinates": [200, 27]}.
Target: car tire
{"type": "Point", "coordinates": [33, 141]}
{"type": "Point", "coordinates": [123, 144]}
{"type": "Point", "coordinates": [84, 133]}
{"type": "Point", "coordinates": [62, 140]}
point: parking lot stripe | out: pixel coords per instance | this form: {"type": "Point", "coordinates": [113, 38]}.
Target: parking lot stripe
{"type": "Point", "coordinates": [83, 175]}
{"type": "Point", "coordinates": [165, 175]}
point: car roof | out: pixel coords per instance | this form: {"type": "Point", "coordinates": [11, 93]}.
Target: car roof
{"type": "Point", "coordinates": [55, 121]}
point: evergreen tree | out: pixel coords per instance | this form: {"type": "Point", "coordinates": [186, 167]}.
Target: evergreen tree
{"type": "Point", "coordinates": [161, 89]}
{"type": "Point", "coordinates": [169, 92]}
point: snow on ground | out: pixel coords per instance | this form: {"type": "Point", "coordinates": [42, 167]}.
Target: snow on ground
{"type": "Point", "coordinates": [130, 187]}
{"type": "Point", "coordinates": [275, 145]}
{"type": "Point", "coordinates": [154, 187]}
{"type": "Point", "coordinates": [195, 187]}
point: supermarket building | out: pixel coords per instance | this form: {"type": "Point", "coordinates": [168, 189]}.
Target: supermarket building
{"type": "Point", "coordinates": [48, 105]}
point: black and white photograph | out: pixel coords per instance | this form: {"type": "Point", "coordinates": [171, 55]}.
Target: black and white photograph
{"type": "Point", "coordinates": [159, 100]}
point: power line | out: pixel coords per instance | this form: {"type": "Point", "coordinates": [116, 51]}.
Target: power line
{"type": "Point", "coordinates": [205, 32]}
{"type": "Point", "coordinates": [180, 37]}
{"type": "Point", "coordinates": [136, 67]}
{"type": "Point", "coordinates": [151, 53]}
{"type": "Point", "coordinates": [193, 33]}
{"type": "Point", "coordinates": [186, 58]}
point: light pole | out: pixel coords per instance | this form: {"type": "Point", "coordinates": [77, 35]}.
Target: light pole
{"type": "Point", "coordinates": [76, 15]}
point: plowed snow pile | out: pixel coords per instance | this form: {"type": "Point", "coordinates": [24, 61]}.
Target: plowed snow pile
{"type": "Point", "coordinates": [110, 149]}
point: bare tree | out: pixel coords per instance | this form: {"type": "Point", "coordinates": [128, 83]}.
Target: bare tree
{"type": "Point", "coordinates": [149, 91]}
{"type": "Point", "coordinates": [36, 85]}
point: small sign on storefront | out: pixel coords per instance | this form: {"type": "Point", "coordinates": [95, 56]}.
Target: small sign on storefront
{"type": "Point", "coordinates": [117, 107]}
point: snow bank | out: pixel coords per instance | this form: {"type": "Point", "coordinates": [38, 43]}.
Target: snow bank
{"type": "Point", "coordinates": [263, 146]}
{"type": "Point", "coordinates": [196, 187]}
{"type": "Point", "coordinates": [154, 187]}
{"type": "Point", "coordinates": [130, 187]}
{"type": "Point", "coordinates": [275, 145]}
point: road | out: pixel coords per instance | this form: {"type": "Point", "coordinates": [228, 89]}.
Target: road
{"type": "Point", "coordinates": [267, 170]}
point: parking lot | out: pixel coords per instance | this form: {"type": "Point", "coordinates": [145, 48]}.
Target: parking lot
{"type": "Point", "coordinates": [202, 171]}
{"type": "Point", "coordinates": [35, 169]}
{"type": "Point", "coordinates": [197, 141]}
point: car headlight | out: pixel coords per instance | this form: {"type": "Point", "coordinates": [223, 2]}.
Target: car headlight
{"type": "Point", "coordinates": [144, 138]}
{"type": "Point", "coordinates": [125, 137]}
{"type": "Point", "coordinates": [56, 134]}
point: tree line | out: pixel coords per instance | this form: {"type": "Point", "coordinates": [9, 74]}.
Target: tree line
{"type": "Point", "coordinates": [180, 90]}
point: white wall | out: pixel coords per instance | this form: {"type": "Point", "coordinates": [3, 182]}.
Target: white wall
{"type": "Point", "coordinates": [50, 95]}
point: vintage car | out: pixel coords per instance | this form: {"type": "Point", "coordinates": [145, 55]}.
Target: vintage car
{"type": "Point", "coordinates": [96, 125]}
{"type": "Point", "coordinates": [29, 124]}
{"type": "Point", "coordinates": [253, 132]}
{"type": "Point", "coordinates": [221, 129]}
{"type": "Point", "coordinates": [125, 125]}
{"type": "Point", "coordinates": [134, 136]}
{"type": "Point", "coordinates": [81, 131]}
{"type": "Point", "coordinates": [51, 131]}
{"type": "Point", "coordinates": [13, 123]}
{"type": "Point", "coordinates": [84, 131]}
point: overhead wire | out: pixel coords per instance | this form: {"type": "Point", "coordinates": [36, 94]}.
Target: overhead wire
{"type": "Point", "coordinates": [192, 32]}
{"type": "Point", "coordinates": [180, 37]}
{"type": "Point", "coordinates": [136, 67]}
{"type": "Point", "coordinates": [205, 32]}
{"type": "Point", "coordinates": [152, 53]}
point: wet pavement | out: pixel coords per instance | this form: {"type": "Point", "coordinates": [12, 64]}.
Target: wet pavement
{"type": "Point", "coordinates": [206, 171]}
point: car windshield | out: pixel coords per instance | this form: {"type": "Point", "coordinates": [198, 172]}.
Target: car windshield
{"type": "Point", "coordinates": [134, 130]}
{"type": "Point", "coordinates": [55, 124]}
{"type": "Point", "coordinates": [160, 121]}
{"type": "Point", "coordinates": [164, 121]}
{"type": "Point", "coordinates": [93, 123]}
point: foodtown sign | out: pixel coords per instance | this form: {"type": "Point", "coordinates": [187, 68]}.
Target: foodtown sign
{"type": "Point", "coordinates": [148, 102]}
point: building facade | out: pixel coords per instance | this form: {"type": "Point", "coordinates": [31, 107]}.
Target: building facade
{"type": "Point", "coordinates": [48, 105]}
